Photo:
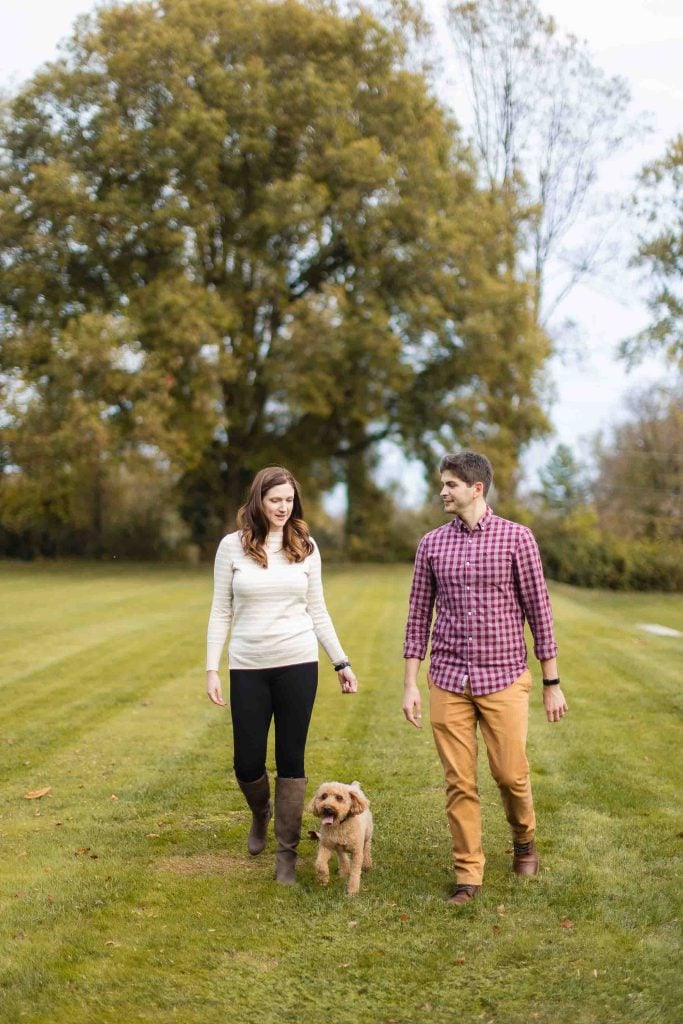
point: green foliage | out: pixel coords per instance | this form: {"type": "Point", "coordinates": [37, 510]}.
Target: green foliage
{"type": "Point", "coordinates": [659, 205]}
{"type": "Point", "coordinates": [578, 549]}
{"type": "Point", "coordinates": [239, 233]}
{"type": "Point", "coordinates": [128, 894]}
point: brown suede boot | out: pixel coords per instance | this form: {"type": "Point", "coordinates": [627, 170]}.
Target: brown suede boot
{"type": "Point", "coordinates": [525, 859]}
{"type": "Point", "coordinates": [257, 795]}
{"type": "Point", "coordinates": [289, 809]}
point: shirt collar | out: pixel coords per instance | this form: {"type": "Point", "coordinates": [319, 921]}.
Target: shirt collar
{"type": "Point", "coordinates": [485, 521]}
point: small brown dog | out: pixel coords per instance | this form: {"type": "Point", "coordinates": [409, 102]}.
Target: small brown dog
{"type": "Point", "coordinates": [346, 827]}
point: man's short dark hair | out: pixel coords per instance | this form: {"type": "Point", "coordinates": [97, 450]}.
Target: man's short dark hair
{"type": "Point", "coordinates": [471, 467]}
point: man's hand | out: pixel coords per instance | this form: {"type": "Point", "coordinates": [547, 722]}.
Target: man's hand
{"type": "Point", "coordinates": [213, 688]}
{"type": "Point", "coordinates": [554, 703]}
{"type": "Point", "coordinates": [412, 705]}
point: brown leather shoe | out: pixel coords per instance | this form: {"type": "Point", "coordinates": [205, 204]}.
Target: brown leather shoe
{"type": "Point", "coordinates": [463, 894]}
{"type": "Point", "coordinates": [525, 860]}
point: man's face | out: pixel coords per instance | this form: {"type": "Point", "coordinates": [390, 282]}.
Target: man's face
{"type": "Point", "coordinates": [457, 496]}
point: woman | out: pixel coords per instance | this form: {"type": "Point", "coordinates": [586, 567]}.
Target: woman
{"type": "Point", "coordinates": [268, 593]}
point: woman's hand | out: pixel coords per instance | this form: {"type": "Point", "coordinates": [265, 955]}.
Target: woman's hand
{"type": "Point", "coordinates": [347, 680]}
{"type": "Point", "coordinates": [213, 688]}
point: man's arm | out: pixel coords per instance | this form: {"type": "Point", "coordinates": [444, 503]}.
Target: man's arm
{"type": "Point", "coordinates": [553, 699]}
{"type": "Point", "coordinates": [421, 607]}
{"type": "Point", "coordinates": [412, 702]}
{"type": "Point", "coordinates": [533, 596]}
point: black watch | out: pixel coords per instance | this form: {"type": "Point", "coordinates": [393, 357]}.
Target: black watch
{"type": "Point", "coordinates": [551, 682]}
{"type": "Point", "coordinates": [342, 664]}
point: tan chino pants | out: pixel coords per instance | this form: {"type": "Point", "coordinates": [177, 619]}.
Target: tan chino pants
{"type": "Point", "coordinates": [503, 718]}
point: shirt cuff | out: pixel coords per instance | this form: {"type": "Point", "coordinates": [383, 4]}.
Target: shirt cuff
{"type": "Point", "coordinates": [545, 653]}
{"type": "Point", "coordinates": [414, 651]}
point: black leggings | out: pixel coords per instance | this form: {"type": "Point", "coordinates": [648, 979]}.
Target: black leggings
{"type": "Point", "coordinates": [256, 695]}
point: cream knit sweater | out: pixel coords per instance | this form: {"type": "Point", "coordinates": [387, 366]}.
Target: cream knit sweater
{"type": "Point", "coordinates": [275, 616]}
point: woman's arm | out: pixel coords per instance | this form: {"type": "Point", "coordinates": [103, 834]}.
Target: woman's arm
{"type": "Point", "coordinates": [220, 619]}
{"type": "Point", "coordinates": [322, 624]}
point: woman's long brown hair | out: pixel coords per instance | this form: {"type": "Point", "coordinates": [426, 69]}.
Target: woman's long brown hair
{"type": "Point", "coordinates": [251, 519]}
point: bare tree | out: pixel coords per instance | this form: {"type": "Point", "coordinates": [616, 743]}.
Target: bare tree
{"type": "Point", "coordinates": [544, 118]}
{"type": "Point", "coordinates": [638, 490]}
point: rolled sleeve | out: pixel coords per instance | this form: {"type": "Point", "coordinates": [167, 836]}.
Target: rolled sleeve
{"type": "Point", "coordinates": [533, 596]}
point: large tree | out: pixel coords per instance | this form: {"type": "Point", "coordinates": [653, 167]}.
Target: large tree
{"type": "Point", "coordinates": [284, 236]}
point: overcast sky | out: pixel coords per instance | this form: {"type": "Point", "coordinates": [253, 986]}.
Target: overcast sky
{"type": "Point", "coordinates": [642, 40]}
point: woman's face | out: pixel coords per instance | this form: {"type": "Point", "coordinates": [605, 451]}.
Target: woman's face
{"type": "Point", "coordinates": [278, 503]}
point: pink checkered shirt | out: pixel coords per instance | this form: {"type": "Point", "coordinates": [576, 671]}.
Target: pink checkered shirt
{"type": "Point", "coordinates": [484, 584]}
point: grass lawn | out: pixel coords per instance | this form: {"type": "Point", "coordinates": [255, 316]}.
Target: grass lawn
{"type": "Point", "coordinates": [127, 894]}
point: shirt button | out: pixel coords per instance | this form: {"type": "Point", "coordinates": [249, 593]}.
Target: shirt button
{"type": "Point", "coordinates": [470, 639]}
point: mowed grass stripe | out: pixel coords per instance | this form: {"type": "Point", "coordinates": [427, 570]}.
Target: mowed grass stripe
{"type": "Point", "coordinates": [172, 921]}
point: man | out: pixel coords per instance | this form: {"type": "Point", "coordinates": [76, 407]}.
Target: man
{"type": "Point", "coordinates": [485, 577]}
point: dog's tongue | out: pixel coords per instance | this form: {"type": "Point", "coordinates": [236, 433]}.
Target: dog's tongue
{"type": "Point", "coordinates": [328, 820]}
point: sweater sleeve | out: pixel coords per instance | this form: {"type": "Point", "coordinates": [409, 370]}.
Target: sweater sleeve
{"type": "Point", "coordinates": [221, 606]}
{"type": "Point", "coordinates": [315, 603]}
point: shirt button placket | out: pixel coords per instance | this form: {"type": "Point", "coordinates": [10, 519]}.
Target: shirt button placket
{"type": "Point", "coordinates": [468, 610]}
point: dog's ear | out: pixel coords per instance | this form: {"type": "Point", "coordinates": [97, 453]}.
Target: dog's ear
{"type": "Point", "coordinates": [359, 802]}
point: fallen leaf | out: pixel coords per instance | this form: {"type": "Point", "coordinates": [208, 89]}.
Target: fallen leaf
{"type": "Point", "coordinates": [145, 703]}
{"type": "Point", "coordinates": [460, 960]}
{"type": "Point", "coordinates": [352, 924]}
{"type": "Point", "coordinates": [152, 835]}
{"type": "Point", "coordinates": [496, 929]}
{"type": "Point", "coordinates": [595, 973]}
{"type": "Point", "coordinates": [81, 851]}
{"type": "Point", "coordinates": [500, 910]}
{"type": "Point", "coordinates": [36, 794]}
{"type": "Point", "coordinates": [58, 824]}
{"type": "Point", "coordinates": [566, 922]}
{"type": "Point", "coordinates": [113, 797]}
{"type": "Point", "coordinates": [404, 917]}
